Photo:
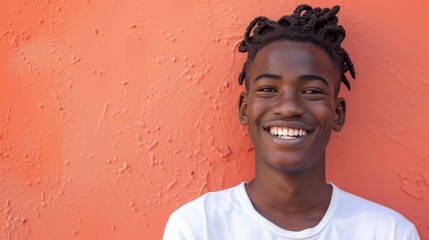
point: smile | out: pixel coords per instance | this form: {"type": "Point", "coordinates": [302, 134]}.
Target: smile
{"type": "Point", "coordinates": [287, 133]}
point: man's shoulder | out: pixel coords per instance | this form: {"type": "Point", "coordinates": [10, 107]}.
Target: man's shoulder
{"type": "Point", "coordinates": [363, 209]}
{"type": "Point", "coordinates": [210, 200]}
{"type": "Point", "coordinates": [189, 221]}
{"type": "Point", "coordinates": [365, 219]}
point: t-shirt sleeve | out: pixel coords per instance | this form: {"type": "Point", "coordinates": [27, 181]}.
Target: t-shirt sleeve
{"type": "Point", "coordinates": [176, 229]}
{"type": "Point", "coordinates": [413, 235]}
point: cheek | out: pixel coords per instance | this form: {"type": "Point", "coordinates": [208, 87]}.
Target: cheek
{"type": "Point", "coordinates": [255, 112]}
{"type": "Point", "coordinates": [256, 109]}
{"type": "Point", "coordinates": [325, 114]}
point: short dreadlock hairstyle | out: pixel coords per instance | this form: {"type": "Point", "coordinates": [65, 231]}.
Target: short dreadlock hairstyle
{"type": "Point", "coordinates": [318, 26]}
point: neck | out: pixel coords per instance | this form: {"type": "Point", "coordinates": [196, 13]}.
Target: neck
{"type": "Point", "coordinates": [301, 196]}
{"type": "Point", "coordinates": [290, 193]}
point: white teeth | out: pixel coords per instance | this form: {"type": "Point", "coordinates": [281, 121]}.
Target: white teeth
{"type": "Point", "coordinates": [287, 133]}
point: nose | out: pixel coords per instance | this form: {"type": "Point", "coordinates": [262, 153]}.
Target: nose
{"type": "Point", "coordinates": [289, 104]}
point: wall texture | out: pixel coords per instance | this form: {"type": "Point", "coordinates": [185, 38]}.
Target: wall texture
{"type": "Point", "coordinates": [113, 113]}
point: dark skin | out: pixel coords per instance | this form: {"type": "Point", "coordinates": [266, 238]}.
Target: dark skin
{"type": "Point", "coordinates": [290, 109]}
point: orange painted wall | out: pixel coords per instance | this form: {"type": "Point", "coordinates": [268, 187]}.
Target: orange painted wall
{"type": "Point", "coordinates": [113, 113]}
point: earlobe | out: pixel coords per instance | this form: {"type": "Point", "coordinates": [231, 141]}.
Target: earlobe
{"type": "Point", "coordinates": [340, 114]}
{"type": "Point", "coordinates": [242, 108]}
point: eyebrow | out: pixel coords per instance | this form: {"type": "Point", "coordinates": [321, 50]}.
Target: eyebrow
{"type": "Point", "coordinates": [306, 77]}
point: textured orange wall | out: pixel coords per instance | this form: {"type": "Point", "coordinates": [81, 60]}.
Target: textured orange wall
{"type": "Point", "coordinates": [114, 113]}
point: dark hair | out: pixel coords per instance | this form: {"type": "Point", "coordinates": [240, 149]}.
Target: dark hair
{"type": "Point", "coordinates": [318, 26]}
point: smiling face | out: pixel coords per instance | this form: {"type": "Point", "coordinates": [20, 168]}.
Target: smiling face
{"type": "Point", "coordinates": [291, 106]}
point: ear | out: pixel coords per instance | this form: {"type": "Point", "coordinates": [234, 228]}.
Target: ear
{"type": "Point", "coordinates": [340, 114]}
{"type": "Point", "coordinates": [242, 108]}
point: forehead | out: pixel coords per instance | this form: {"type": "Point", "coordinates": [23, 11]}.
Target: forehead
{"type": "Point", "coordinates": [292, 59]}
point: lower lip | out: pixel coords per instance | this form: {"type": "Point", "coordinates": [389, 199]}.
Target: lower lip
{"type": "Point", "coordinates": [281, 141]}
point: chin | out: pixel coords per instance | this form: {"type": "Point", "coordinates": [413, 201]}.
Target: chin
{"type": "Point", "coordinates": [290, 164]}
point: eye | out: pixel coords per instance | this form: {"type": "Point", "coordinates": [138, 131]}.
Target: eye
{"type": "Point", "coordinates": [314, 94]}
{"type": "Point", "coordinates": [313, 91]}
{"type": "Point", "coordinates": [267, 89]}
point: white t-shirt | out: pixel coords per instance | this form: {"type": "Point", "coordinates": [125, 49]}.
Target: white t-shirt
{"type": "Point", "coordinates": [229, 214]}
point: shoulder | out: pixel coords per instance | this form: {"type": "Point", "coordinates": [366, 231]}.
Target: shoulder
{"type": "Point", "coordinates": [211, 200]}
{"type": "Point", "coordinates": [190, 220]}
{"type": "Point", "coordinates": [360, 206]}
{"type": "Point", "coordinates": [366, 215]}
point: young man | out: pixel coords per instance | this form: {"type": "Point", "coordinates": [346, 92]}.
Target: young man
{"type": "Point", "coordinates": [291, 105]}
